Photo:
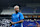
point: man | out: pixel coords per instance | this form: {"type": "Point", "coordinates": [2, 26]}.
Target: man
{"type": "Point", "coordinates": [17, 17]}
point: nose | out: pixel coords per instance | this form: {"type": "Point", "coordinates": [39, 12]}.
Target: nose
{"type": "Point", "coordinates": [17, 9]}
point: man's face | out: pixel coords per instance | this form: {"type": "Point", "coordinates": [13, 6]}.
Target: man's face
{"type": "Point", "coordinates": [17, 9]}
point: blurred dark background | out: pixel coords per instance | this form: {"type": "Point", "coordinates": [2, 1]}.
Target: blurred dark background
{"type": "Point", "coordinates": [4, 4]}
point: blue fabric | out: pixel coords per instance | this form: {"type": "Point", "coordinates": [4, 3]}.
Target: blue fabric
{"type": "Point", "coordinates": [17, 17]}
{"type": "Point", "coordinates": [18, 26]}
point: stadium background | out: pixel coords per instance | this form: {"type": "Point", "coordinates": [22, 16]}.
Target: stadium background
{"type": "Point", "coordinates": [29, 8]}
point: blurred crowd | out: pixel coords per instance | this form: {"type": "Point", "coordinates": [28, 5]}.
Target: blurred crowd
{"type": "Point", "coordinates": [5, 23]}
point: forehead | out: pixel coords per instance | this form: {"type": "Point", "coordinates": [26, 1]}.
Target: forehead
{"type": "Point", "coordinates": [16, 7]}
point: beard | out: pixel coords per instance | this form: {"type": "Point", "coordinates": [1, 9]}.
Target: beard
{"type": "Point", "coordinates": [16, 12]}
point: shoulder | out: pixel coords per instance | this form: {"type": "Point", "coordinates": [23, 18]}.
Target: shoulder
{"type": "Point", "coordinates": [20, 13]}
{"type": "Point", "coordinates": [13, 14]}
